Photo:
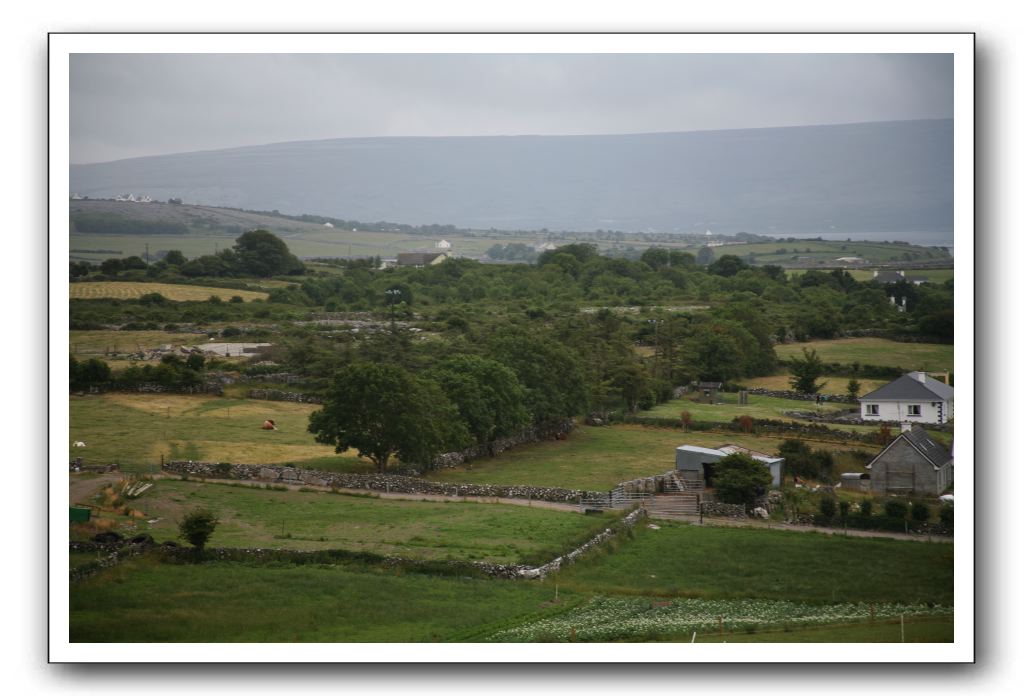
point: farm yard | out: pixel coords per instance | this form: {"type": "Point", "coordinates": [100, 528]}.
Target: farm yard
{"type": "Point", "coordinates": [176, 293]}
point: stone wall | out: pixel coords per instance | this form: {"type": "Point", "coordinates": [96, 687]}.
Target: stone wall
{"type": "Point", "coordinates": [278, 395]}
{"type": "Point", "coordinates": [715, 509]}
{"type": "Point", "coordinates": [118, 551]}
{"type": "Point", "coordinates": [799, 396]}
{"type": "Point", "coordinates": [387, 483]}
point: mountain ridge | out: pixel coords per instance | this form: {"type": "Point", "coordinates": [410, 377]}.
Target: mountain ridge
{"type": "Point", "coordinates": [889, 176]}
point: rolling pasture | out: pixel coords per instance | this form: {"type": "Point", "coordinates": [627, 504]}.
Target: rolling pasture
{"type": "Point", "coordinates": [136, 429]}
{"type": "Point", "coordinates": [308, 520]}
{"type": "Point", "coordinates": [598, 458]}
{"type": "Point", "coordinates": [875, 351]}
{"type": "Point", "coordinates": [176, 293]}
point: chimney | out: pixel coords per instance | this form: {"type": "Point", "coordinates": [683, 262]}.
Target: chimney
{"type": "Point", "coordinates": [906, 427]}
{"type": "Point", "coordinates": [919, 376]}
{"type": "Point", "coordinates": [946, 378]}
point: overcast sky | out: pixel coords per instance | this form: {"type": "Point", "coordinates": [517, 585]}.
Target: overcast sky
{"type": "Point", "coordinates": [129, 105]}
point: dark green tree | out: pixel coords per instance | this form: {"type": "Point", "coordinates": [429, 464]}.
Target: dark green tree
{"type": "Point", "coordinates": [174, 258]}
{"type": "Point", "coordinates": [727, 266]}
{"type": "Point", "coordinates": [487, 394]}
{"type": "Point", "coordinates": [262, 253]}
{"type": "Point", "coordinates": [805, 372]}
{"type": "Point", "coordinates": [739, 479]}
{"type": "Point", "coordinates": [551, 375]}
{"type": "Point", "coordinates": [197, 527]}
{"type": "Point", "coordinates": [384, 411]}
{"type": "Point", "coordinates": [704, 256]}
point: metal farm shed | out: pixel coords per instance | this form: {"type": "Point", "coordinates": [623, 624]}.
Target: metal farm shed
{"type": "Point", "coordinates": [696, 464]}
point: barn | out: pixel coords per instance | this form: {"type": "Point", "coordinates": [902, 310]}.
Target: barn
{"type": "Point", "coordinates": [913, 464]}
{"type": "Point", "coordinates": [696, 464]}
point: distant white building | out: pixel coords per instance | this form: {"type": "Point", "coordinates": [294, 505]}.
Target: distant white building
{"type": "Point", "coordinates": [443, 244]}
{"type": "Point", "coordinates": [328, 224]}
{"type": "Point", "coordinates": [851, 259]}
{"type": "Point", "coordinates": [912, 398]}
{"type": "Point", "coordinates": [546, 246]}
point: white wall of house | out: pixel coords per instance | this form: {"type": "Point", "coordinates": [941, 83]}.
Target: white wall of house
{"type": "Point", "coordinates": [929, 411]}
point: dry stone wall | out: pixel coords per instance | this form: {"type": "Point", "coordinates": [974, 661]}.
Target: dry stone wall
{"type": "Point", "coordinates": [385, 483]}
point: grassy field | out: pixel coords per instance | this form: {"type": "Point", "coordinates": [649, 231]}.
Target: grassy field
{"type": "Point", "coordinates": [805, 580]}
{"type": "Point", "coordinates": [95, 342]}
{"type": "Point", "coordinates": [935, 275]}
{"type": "Point", "coordinates": [136, 429]}
{"type": "Point", "coordinates": [308, 520]}
{"type": "Point", "coordinates": [827, 251]}
{"type": "Point", "coordinates": [758, 407]}
{"type": "Point", "coordinates": [176, 293]}
{"type": "Point", "coordinates": [875, 351]}
{"type": "Point", "coordinates": [681, 560]}
{"type": "Point", "coordinates": [593, 458]}
{"type": "Point", "coordinates": [832, 385]}
{"type": "Point", "coordinates": [142, 601]}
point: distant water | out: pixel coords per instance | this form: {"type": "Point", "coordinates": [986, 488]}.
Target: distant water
{"type": "Point", "coordinates": [919, 237]}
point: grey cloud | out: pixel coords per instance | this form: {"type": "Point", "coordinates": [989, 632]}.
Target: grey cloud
{"type": "Point", "coordinates": [125, 105]}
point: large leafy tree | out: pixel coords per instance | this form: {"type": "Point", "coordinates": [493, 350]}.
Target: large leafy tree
{"type": "Point", "coordinates": [739, 479]}
{"type": "Point", "coordinates": [551, 375]}
{"type": "Point", "coordinates": [488, 395]}
{"type": "Point", "coordinates": [805, 372]}
{"type": "Point", "coordinates": [262, 253]}
{"type": "Point", "coordinates": [385, 411]}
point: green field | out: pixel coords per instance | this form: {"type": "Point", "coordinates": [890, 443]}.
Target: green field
{"type": "Point", "coordinates": [681, 560]}
{"type": "Point", "coordinates": [598, 458]}
{"type": "Point", "coordinates": [758, 580]}
{"type": "Point", "coordinates": [308, 520]}
{"type": "Point", "coordinates": [781, 253]}
{"type": "Point", "coordinates": [97, 342]}
{"type": "Point", "coordinates": [134, 430]}
{"type": "Point", "coordinates": [832, 385]}
{"type": "Point", "coordinates": [768, 407]}
{"type": "Point", "coordinates": [875, 351]}
{"type": "Point", "coordinates": [935, 275]}
{"type": "Point", "coordinates": [144, 601]}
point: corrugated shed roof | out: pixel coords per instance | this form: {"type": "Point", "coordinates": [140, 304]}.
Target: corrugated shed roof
{"type": "Point", "coordinates": [907, 387]}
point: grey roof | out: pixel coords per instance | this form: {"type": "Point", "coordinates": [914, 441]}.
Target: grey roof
{"type": "Point", "coordinates": [932, 451]}
{"type": "Point", "coordinates": [895, 277]}
{"type": "Point", "coordinates": [908, 387]}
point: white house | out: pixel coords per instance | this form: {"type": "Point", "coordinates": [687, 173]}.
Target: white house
{"type": "Point", "coordinates": [328, 224]}
{"type": "Point", "coordinates": [912, 398]}
{"type": "Point", "coordinates": [443, 244]}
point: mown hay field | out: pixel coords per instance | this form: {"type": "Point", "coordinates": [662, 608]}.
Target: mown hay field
{"type": "Point", "coordinates": [135, 430]}
{"type": "Point", "coordinates": [93, 342]}
{"type": "Point", "coordinates": [832, 385]}
{"type": "Point", "coordinates": [176, 293]}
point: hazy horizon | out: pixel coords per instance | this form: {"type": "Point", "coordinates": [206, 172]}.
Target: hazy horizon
{"type": "Point", "coordinates": [124, 106]}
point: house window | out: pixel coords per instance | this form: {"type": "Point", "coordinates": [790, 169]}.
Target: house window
{"type": "Point", "coordinates": [913, 410]}
{"type": "Point", "coordinates": [873, 409]}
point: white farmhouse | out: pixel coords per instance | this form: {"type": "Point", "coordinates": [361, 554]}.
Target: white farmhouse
{"type": "Point", "coordinates": [444, 244]}
{"type": "Point", "coordinates": [912, 398]}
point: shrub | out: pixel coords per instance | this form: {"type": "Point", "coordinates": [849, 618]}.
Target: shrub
{"type": "Point", "coordinates": [843, 508]}
{"type": "Point", "coordinates": [895, 509]}
{"type": "Point", "coordinates": [866, 508]}
{"type": "Point", "coordinates": [946, 514]}
{"type": "Point", "coordinates": [920, 512]}
{"type": "Point", "coordinates": [236, 299]}
{"type": "Point", "coordinates": [197, 526]}
{"type": "Point", "coordinates": [739, 479]}
{"type": "Point", "coordinates": [827, 506]}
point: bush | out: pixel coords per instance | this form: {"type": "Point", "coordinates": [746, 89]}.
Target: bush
{"type": "Point", "coordinates": [946, 514]}
{"type": "Point", "coordinates": [895, 509]}
{"type": "Point", "coordinates": [866, 508]}
{"type": "Point", "coordinates": [920, 512]}
{"type": "Point", "coordinates": [827, 507]}
{"type": "Point", "coordinates": [739, 479]}
{"type": "Point", "coordinates": [843, 508]}
{"type": "Point", "coordinates": [197, 527]}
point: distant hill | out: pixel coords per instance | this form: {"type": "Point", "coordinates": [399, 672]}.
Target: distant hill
{"type": "Point", "coordinates": [892, 176]}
